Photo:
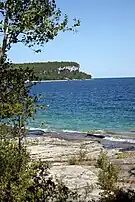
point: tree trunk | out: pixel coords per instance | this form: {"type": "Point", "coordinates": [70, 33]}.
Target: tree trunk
{"type": "Point", "coordinates": [5, 40]}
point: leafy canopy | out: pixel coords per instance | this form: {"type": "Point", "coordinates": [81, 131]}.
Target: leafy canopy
{"type": "Point", "coordinates": [32, 22]}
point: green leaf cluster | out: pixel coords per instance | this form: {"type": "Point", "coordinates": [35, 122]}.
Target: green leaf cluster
{"type": "Point", "coordinates": [22, 180]}
{"type": "Point", "coordinates": [32, 22]}
{"type": "Point", "coordinates": [15, 100]}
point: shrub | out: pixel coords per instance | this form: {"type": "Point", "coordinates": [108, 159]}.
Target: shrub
{"type": "Point", "coordinates": [120, 196]}
{"type": "Point", "coordinates": [80, 157]}
{"type": "Point", "coordinates": [14, 177]}
{"type": "Point", "coordinates": [102, 160]}
{"type": "Point", "coordinates": [125, 155]}
{"type": "Point", "coordinates": [107, 179]}
{"type": "Point", "coordinates": [44, 188]}
{"type": "Point", "coordinates": [82, 153]}
{"type": "Point", "coordinates": [108, 176]}
{"type": "Point", "coordinates": [73, 160]}
{"type": "Point", "coordinates": [22, 180]}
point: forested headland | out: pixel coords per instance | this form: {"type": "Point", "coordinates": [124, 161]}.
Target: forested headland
{"type": "Point", "coordinates": [56, 70]}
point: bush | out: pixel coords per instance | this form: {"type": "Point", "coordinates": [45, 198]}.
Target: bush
{"type": "Point", "coordinates": [80, 157]}
{"type": "Point", "coordinates": [102, 161]}
{"type": "Point", "coordinates": [44, 188]}
{"type": "Point", "coordinates": [22, 180]}
{"type": "Point", "coordinates": [120, 196]}
{"type": "Point", "coordinates": [125, 155]}
{"type": "Point", "coordinates": [108, 176]}
{"type": "Point", "coordinates": [14, 177]}
{"type": "Point", "coordinates": [73, 160]}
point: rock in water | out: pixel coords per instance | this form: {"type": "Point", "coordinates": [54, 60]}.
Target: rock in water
{"type": "Point", "coordinates": [36, 132]}
{"type": "Point", "coordinates": [101, 136]}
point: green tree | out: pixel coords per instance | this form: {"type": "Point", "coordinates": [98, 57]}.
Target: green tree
{"type": "Point", "coordinates": [33, 23]}
{"type": "Point", "coordinates": [55, 70]}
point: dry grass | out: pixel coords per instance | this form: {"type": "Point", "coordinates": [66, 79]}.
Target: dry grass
{"type": "Point", "coordinates": [125, 155]}
{"type": "Point", "coordinates": [82, 157]}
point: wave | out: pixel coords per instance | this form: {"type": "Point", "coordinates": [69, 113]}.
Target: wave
{"type": "Point", "coordinates": [108, 132]}
{"type": "Point", "coordinates": [72, 131]}
{"type": "Point", "coordinates": [43, 129]}
{"type": "Point", "coordinates": [113, 139]}
{"type": "Point", "coordinates": [53, 130]}
{"type": "Point", "coordinates": [93, 131]}
{"type": "Point", "coordinates": [109, 135]}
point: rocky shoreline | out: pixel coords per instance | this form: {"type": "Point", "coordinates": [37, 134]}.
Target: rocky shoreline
{"type": "Point", "coordinates": [109, 141]}
{"type": "Point", "coordinates": [61, 150]}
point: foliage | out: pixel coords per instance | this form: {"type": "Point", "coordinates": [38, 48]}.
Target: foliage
{"type": "Point", "coordinates": [22, 180]}
{"type": "Point", "coordinates": [120, 196]}
{"type": "Point", "coordinates": [125, 155]}
{"type": "Point", "coordinates": [6, 132]}
{"type": "Point", "coordinates": [31, 22]}
{"type": "Point", "coordinates": [45, 188]}
{"type": "Point", "coordinates": [108, 176]}
{"type": "Point", "coordinates": [102, 160]}
{"type": "Point", "coordinates": [13, 175]}
{"type": "Point", "coordinates": [81, 157]}
{"type": "Point", "coordinates": [41, 66]}
{"type": "Point", "coordinates": [73, 160]}
{"type": "Point", "coordinates": [17, 106]}
{"type": "Point", "coordinates": [14, 93]}
{"type": "Point", "coordinates": [55, 70]}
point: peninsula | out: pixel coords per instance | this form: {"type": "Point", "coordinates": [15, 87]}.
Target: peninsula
{"type": "Point", "coordinates": [56, 70]}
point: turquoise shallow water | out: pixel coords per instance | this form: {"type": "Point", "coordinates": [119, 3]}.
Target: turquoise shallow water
{"type": "Point", "coordinates": [97, 104]}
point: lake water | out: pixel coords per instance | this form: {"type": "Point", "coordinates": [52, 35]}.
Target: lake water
{"type": "Point", "coordinates": [97, 104]}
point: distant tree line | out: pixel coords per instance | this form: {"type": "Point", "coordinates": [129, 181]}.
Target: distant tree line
{"type": "Point", "coordinates": [55, 70]}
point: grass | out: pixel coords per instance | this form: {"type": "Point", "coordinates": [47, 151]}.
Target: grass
{"type": "Point", "coordinates": [73, 160]}
{"type": "Point", "coordinates": [81, 158]}
{"type": "Point", "coordinates": [125, 155]}
{"type": "Point", "coordinates": [31, 142]}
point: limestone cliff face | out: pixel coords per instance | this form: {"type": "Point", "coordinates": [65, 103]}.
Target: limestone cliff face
{"type": "Point", "coordinates": [70, 68]}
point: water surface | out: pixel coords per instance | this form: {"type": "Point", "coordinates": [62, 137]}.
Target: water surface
{"type": "Point", "coordinates": [97, 104]}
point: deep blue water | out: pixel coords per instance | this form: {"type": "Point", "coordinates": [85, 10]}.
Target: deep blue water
{"type": "Point", "coordinates": [97, 104]}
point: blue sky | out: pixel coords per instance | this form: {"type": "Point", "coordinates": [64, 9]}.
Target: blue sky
{"type": "Point", "coordinates": [104, 45]}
